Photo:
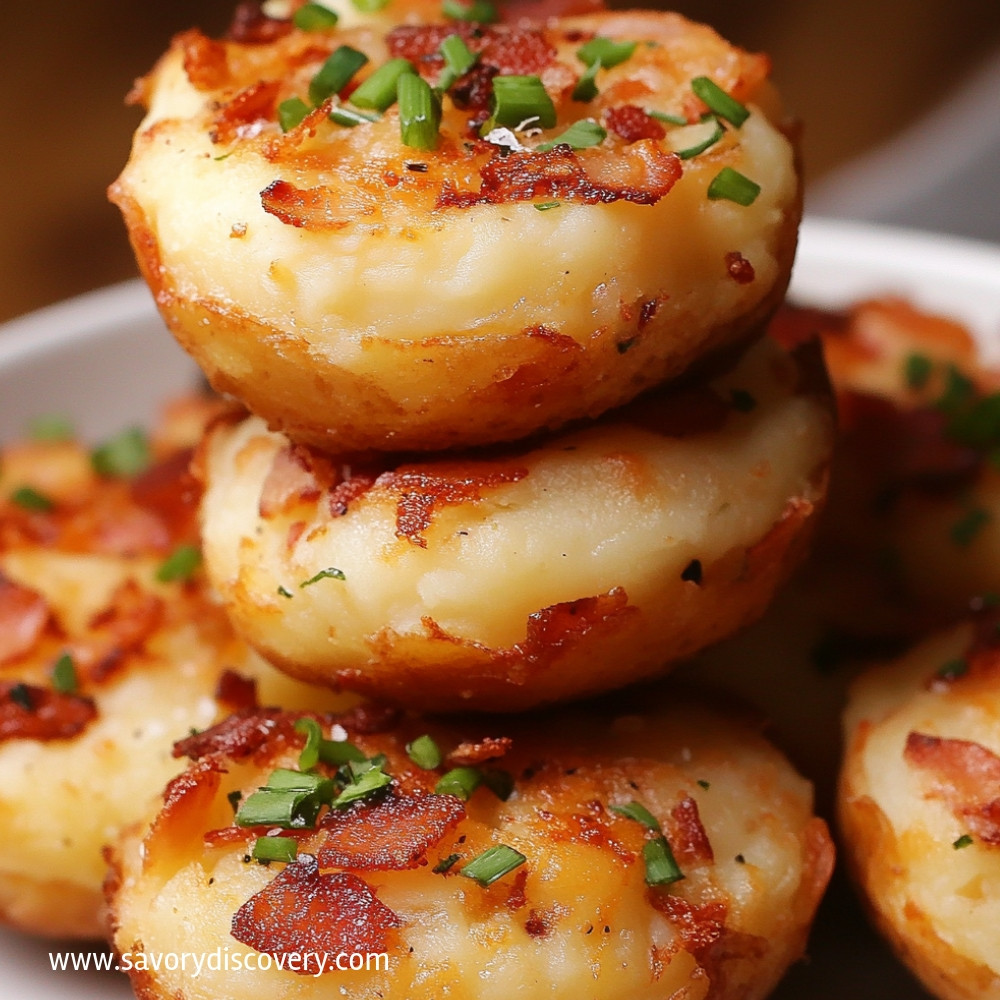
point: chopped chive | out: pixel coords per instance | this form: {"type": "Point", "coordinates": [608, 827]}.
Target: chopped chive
{"type": "Point", "coordinates": [661, 867]}
{"type": "Point", "coordinates": [366, 784]}
{"type": "Point", "coordinates": [123, 456]}
{"type": "Point", "coordinates": [341, 115]}
{"type": "Point", "coordinates": [964, 531]}
{"type": "Point", "coordinates": [335, 73]}
{"type": "Point", "coordinates": [180, 565]}
{"type": "Point", "coordinates": [731, 185]}
{"type": "Point", "coordinates": [964, 841]}
{"type": "Point", "coordinates": [580, 135]}
{"type": "Point", "coordinates": [290, 799]}
{"type": "Point", "coordinates": [378, 92]}
{"type": "Point", "coordinates": [520, 99]}
{"type": "Point", "coordinates": [21, 696]}
{"type": "Point", "coordinates": [702, 783]}
{"type": "Point", "coordinates": [458, 60]}
{"type": "Point", "coordinates": [545, 206]}
{"type": "Point", "coordinates": [715, 134]}
{"type": "Point", "coordinates": [479, 11]}
{"type": "Point", "coordinates": [638, 812]}
{"type": "Point", "coordinates": [314, 17]}
{"type": "Point", "coordinates": [291, 113]}
{"type": "Point", "coordinates": [419, 112]}
{"type": "Point", "coordinates": [424, 752]}
{"type": "Point", "coordinates": [64, 679]}
{"type": "Point", "coordinates": [370, 6]}
{"type": "Point", "coordinates": [606, 51]}
{"type": "Point", "coordinates": [51, 427]}
{"type": "Point", "coordinates": [662, 116]}
{"type": "Point", "coordinates": [275, 849]}
{"type": "Point", "coordinates": [284, 591]}
{"type": "Point", "coordinates": [586, 87]}
{"type": "Point", "coordinates": [234, 799]}
{"type": "Point", "coordinates": [337, 753]}
{"type": "Point", "coordinates": [460, 782]}
{"type": "Point", "coordinates": [743, 401]}
{"type": "Point", "coordinates": [493, 864]}
{"type": "Point", "coordinates": [977, 423]}
{"type": "Point", "coordinates": [332, 573]}
{"type": "Point", "coordinates": [500, 783]}
{"type": "Point", "coordinates": [445, 864]}
{"type": "Point", "coordinates": [719, 101]}
{"type": "Point", "coordinates": [953, 669]}
{"type": "Point", "coordinates": [917, 370]}
{"type": "Point", "coordinates": [958, 391]}
{"type": "Point", "coordinates": [309, 755]}
{"type": "Point", "coordinates": [30, 499]}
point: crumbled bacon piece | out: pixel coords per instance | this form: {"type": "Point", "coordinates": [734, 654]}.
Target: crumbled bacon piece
{"type": "Point", "coordinates": [699, 927]}
{"type": "Point", "coordinates": [24, 613]}
{"type": "Point", "coordinates": [251, 26]}
{"type": "Point", "coordinates": [370, 718]}
{"type": "Point", "coordinates": [739, 268]}
{"type": "Point", "coordinates": [392, 834]}
{"type": "Point", "coordinates": [289, 481]}
{"type": "Point", "coordinates": [236, 692]}
{"type": "Point", "coordinates": [169, 491]}
{"type": "Point", "coordinates": [688, 837]}
{"type": "Point", "coordinates": [472, 752]}
{"type": "Point", "coordinates": [205, 61]}
{"type": "Point", "coordinates": [130, 618]}
{"type": "Point", "coordinates": [504, 49]}
{"type": "Point", "coordinates": [237, 736]}
{"type": "Point", "coordinates": [305, 911]}
{"type": "Point", "coordinates": [632, 123]}
{"type": "Point", "coordinates": [34, 713]}
{"type": "Point", "coordinates": [238, 116]}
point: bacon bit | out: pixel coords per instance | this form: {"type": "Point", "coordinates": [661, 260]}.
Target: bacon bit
{"type": "Point", "coordinates": [51, 715]}
{"type": "Point", "coordinates": [316, 209]}
{"type": "Point", "coordinates": [305, 911]}
{"type": "Point", "coordinates": [579, 828]}
{"type": "Point", "coordinates": [680, 413]}
{"type": "Point", "coordinates": [540, 923]}
{"type": "Point", "coordinates": [251, 26]}
{"type": "Point", "coordinates": [187, 799]}
{"type": "Point", "coordinates": [967, 779]}
{"type": "Point", "coordinates": [647, 311]}
{"type": "Point", "coordinates": [503, 49]}
{"type": "Point", "coordinates": [516, 897]}
{"type": "Point", "coordinates": [699, 927]}
{"type": "Point", "coordinates": [472, 752]}
{"type": "Point", "coordinates": [238, 116]}
{"type": "Point", "coordinates": [170, 492]}
{"type": "Point", "coordinates": [125, 624]}
{"type": "Point", "coordinates": [423, 489]}
{"type": "Point", "coordinates": [289, 481]}
{"type": "Point", "coordinates": [514, 11]}
{"type": "Point", "coordinates": [641, 173]}
{"type": "Point", "coordinates": [632, 123]}
{"type": "Point", "coordinates": [739, 268]}
{"type": "Point", "coordinates": [227, 836]}
{"type": "Point", "coordinates": [688, 837]}
{"type": "Point", "coordinates": [205, 60]}
{"type": "Point", "coordinates": [474, 90]}
{"type": "Point", "coordinates": [238, 736]}
{"type": "Point", "coordinates": [236, 692]}
{"type": "Point", "coordinates": [560, 626]}
{"type": "Point", "coordinates": [371, 719]}
{"type": "Point", "coordinates": [392, 834]}
{"type": "Point", "coordinates": [24, 613]}
{"type": "Point", "coordinates": [355, 484]}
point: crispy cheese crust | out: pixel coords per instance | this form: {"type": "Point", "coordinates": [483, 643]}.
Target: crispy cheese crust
{"type": "Point", "coordinates": [575, 919]}
{"type": "Point", "coordinates": [538, 573]}
{"type": "Point", "coordinates": [151, 659]}
{"type": "Point", "coordinates": [918, 807]}
{"type": "Point", "coordinates": [358, 293]}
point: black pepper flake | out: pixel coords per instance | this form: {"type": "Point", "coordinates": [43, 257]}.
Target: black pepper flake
{"type": "Point", "coordinates": [692, 572]}
{"type": "Point", "coordinates": [624, 345]}
{"type": "Point", "coordinates": [234, 799]}
{"type": "Point", "coordinates": [417, 168]}
{"type": "Point", "coordinates": [740, 860]}
{"type": "Point", "coordinates": [445, 863]}
{"type": "Point", "coordinates": [21, 696]}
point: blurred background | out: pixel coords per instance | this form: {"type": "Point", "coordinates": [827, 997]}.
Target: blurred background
{"type": "Point", "coordinates": [901, 102]}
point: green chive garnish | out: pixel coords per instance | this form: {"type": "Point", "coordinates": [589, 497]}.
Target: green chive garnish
{"type": "Point", "coordinates": [964, 531]}
{"type": "Point", "coordinates": [419, 112]}
{"type": "Point", "coordinates": [291, 113]}
{"type": "Point", "coordinates": [661, 867]}
{"type": "Point", "coordinates": [445, 864]}
{"type": "Point", "coordinates": [309, 755]}
{"type": "Point", "coordinates": [731, 185]}
{"type": "Point", "coordinates": [662, 116]}
{"type": "Point", "coordinates": [180, 565]}
{"type": "Point", "coordinates": [638, 812]}
{"type": "Point", "coordinates": [606, 51]}
{"type": "Point", "coordinates": [964, 841]}
{"type": "Point", "coordinates": [314, 17]}
{"type": "Point", "coordinates": [500, 783]}
{"type": "Point", "coordinates": [20, 695]}
{"type": "Point", "coordinates": [917, 370]}
{"type": "Point", "coordinates": [458, 60]}
{"type": "Point", "coordinates": [275, 849]}
{"type": "Point", "coordinates": [958, 391]}
{"type": "Point", "coordinates": [460, 782]}
{"type": "Point", "coordinates": [335, 73]}
{"type": "Point", "coordinates": [719, 101]}
{"type": "Point", "coordinates": [370, 6]}
{"type": "Point", "coordinates": [479, 11]}
{"type": "Point", "coordinates": [64, 679]}
{"type": "Point", "coordinates": [337, 753]}
{"type": "Point", "coordinates": [586, 87]}
{"type": "Point", "coordinates": [290, 808]}
{"type": "Point", "coordinates": [50, 427]}
{"type": "Point", "coordinates": [702, 783]}
{"type": "Point", "coordinates": [580, 135]}
{"type": "Point", "coordinates": [343, 115]}
{"type": "Point", "coordinates": [953, 669]}
{"type": "Point", "coordinates": [716, 133]}
{"type": "Point", "coordinates": [124, 456]}
{"type": "Point", "coordinates": [493, 864]}
{"type": "Point", "coordinates": [30, 499]}
{"type": "Point", "coordinates": [424, 752]}
{"type": "Point", "coordinates": [520, 99]}
{"type": "Point", "coordinates": [366, 783]}
{"type": "Point", "coordinates": [545, 206]}
{"type": "Point", "coordinates": [332, 573]}
{"type": "Point", "coordinates": [378, 92]}
{"type": "Point", "coordinates": [284, 591]}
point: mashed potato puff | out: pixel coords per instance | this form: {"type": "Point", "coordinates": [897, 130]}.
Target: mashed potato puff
{"type": "Point", "coordinates": [104, 662]}
{"type": "Point", "coordinates": [918, 807]}
{"type": "Point", "coordinates": [361, 293]}
{"type": "Point", "coordinates": [543, 571]}
{"type": "Point", "coordinates": [575, 810]}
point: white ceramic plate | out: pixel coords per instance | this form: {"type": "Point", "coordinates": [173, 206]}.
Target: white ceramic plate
{"type": "Point", "coordinates": [105, 360]}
